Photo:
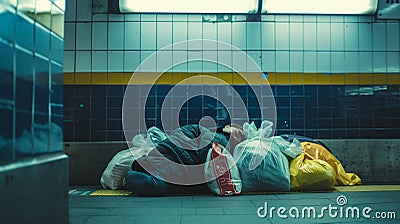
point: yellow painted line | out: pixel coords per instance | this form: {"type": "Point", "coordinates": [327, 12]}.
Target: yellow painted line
{"type": "Point", "coordinates": [356, 188]}
{"type": "Point", "coordinates": [111, 193]}
{"type": "Point", "coordinates": [120, 78]}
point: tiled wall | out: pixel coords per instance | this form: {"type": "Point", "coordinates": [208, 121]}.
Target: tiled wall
{"type": "Point", "coordinates": [332, 76]}
{"type": "Point", "coordinates": [31, 70]}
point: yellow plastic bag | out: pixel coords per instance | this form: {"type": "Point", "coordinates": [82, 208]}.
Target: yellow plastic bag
{"type": "Point", "coordinates": [311, 174]}
{"type": "Point", "coordinates": [316, 151]}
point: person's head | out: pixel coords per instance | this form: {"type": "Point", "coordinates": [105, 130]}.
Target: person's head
{"type": "Point", "coordinates": [235, 132]}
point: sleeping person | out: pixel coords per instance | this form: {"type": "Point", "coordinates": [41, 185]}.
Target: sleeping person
{"type": "Point", "coordinates": [176, 165]}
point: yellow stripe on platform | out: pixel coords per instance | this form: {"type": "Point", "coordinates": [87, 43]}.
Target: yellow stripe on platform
{"type": "Point", "coordinates": [170, 78]}
{"type": "Point", "coordinates": [111, 193]}
{"type": "Point", "coordinates": [357, 188]}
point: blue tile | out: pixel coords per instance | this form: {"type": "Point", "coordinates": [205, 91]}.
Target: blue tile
{"type": "Point", "coordinates": [297, 90]}
{"type": "Point", "coordinates": [7, 22]}
{"type": "Point", "coordinates": [6, 128]}
{"type": "Point", "coordinates": [57, 48]}
{"type": "Point", "coordinates": [114, 102]}
{"type": "Point", "coordinates": [57, 77]}
{"type": "Point", "coordinates": [42, 40]}
{"type": "Point", "coordinates": [115, 136]}
{"type": "Point", "coordinates": [82, 90]}
{"type": "Point", "coordinates": [114, 124]}
{"type": "Point", "coordinates": [25, 32]}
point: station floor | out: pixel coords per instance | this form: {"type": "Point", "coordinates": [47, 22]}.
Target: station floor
{"type": "Point", "coordinates": [358, 204]}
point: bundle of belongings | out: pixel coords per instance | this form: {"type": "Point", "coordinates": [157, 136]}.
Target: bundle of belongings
{"type": "Point", "coordinates": [235, 159]}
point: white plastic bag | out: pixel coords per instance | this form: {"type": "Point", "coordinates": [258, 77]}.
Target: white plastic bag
{"type": "Point", "coordinates": [121, 163]}
{"type": "Point", "coordinates": [221, 169]}
{"type": "Point", "coordinates": [291, 149]}
{"type": "Point", "coordinates": [262, 165]}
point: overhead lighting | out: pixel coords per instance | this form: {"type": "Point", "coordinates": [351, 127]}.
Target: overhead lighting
{"type": "Point", "coordinates": [189, 6]}
{"type": "Point", "coordinates": [348, 7]}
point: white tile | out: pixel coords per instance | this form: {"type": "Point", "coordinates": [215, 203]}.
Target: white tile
{"type": "Point", "coordinates": [69, 61]}
{"type": "Point", "coordinates": [365, 36]}
{"type": "Point", "coordinates": [83, 61]}
{"type": "Point", "coordinates": [310, 62]}
{"type": "Point", "coordinates": [180, 17]}
{"type": "Point", "coordinates": [253, 36]}
{"type": "Point", "coordinates": [148, 36]}
{"type": "Point", "coordinates": [225, 61]}
{"type": "Point", "coordinates": [352, 62]}
{"type": "Point", "coordinates": [164, 17]}
{"type": "Point", "coordinates": [148, 17]}
{"type": "Point", "coordinates": [379, 62]}
{"type": "Point", "coordinates": [99, 61]}
{"type": "Point", "coordinates": [268, 61]}
{"type": "Point", "coordinates": [296, 18]}
{"type": "Point", "coordinates": [323, 18]}
{"type": "Point", "coordinates": [209, 31]}
{"type": "Point", "coordinates": [351, 18]}
{"type": "Point", "coordinates": [115, 35]}
{"type": "Point", "coordinates": [164, 34]}
{"type": "Point", "coordinates": [195, 17]}
{"type": "Point", "coordinates": [267, 17]}
{"type": "Point", "coordinates": [132, 36]}
{"type": "Point", "coordinates": [365, 19]}
{"type": "Point", "coordinates": [100, 17]}
{"type": "Point", "coordinates": [268, 36]}
{"type": "Point", "coordinates": [337, 37]}
{"type": "Point", "coordinates": [70, 11]}
{"type": "Point", "coordinates": [180, 59]}
{"type": "Point", "coordinates": [239, 61]}
{"type": "Point", "coordinates": [148, 61]}
{"type": "Point", "coordinates": [132, 17]}
{"type": "Point", "coordinates": [116, 17]}
{"type": "Point", "coordinates": [323, 36]}
{"type": "Point", "coordinates": [282, 61]}
{"type": "Point", "coordinates": [84, 11]}
{"type": "Point", "coordinates": [337, 59]}
{"type": "Point", "coordinates": [296, 61]}
{"type": "Point", "coordinates": [195, 32]}
{"type": "Point", "coordinates": [195, 66]}
{"type": "Point", "coordinates": [239, 35]}
{"type": "Point", "coordinates": [351, 37]}
{"type": "Point", "coordinates": [179, 34]}
{"type": "Point", "coordinates": [83, 34]}
{"type": "Point", "coordinates": [393, 36]}
{"type": "Point", "coordinates": [131, 60]}
{"type": "Point", "coordinates": [379, 36]}
{"type": "Point", "coordinates": [323, 62]}
{"type": "Point", "coordinates": [310, 36]}
{"type": "Point", "coordinates": [210, 61]}
{"type": "Point", "coordinates": [69, 36]}
{"type": "Point", "coordinates": [115, 61]}
{"type": "Point", "coordinates": [282, 18]}
{"type": "Point", "coordinates": [282, 36]}
{"type": "Point", "coordinates": [254, 65]}
{"type": "Point", "coordinates": [337, 19]}
{"type": "Point", "coordinates": [224, 32]}
{"type": "Point", "coordinates": [393, 62]}
{"type": "Point", "coordinates": [296, 36]}
{"type": "Point", "coordinates": [164, 60]}
{"type": "Point", "coordinates": [366, 62]}
{"type": "Point", "coordinates": [310, 18]}
{"type": "Point", "coordinates": [99, 37]}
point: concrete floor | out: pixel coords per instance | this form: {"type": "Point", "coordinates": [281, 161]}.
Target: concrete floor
{"type": "Point", "coordinates": [237, 209]}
